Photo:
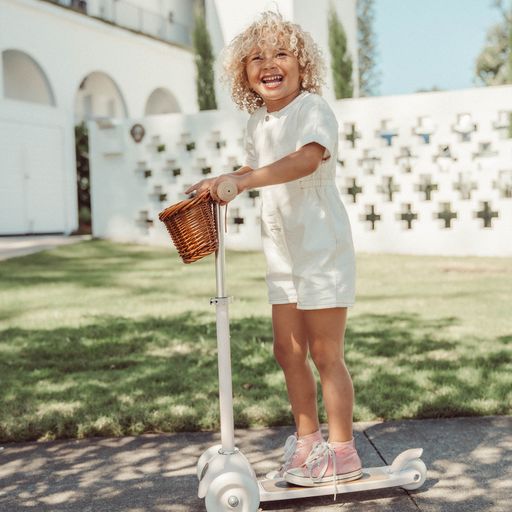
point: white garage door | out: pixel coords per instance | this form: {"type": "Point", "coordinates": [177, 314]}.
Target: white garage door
{"type": "Point", "coordinates": [31, 179]}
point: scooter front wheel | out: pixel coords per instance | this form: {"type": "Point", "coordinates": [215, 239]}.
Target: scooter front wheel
{"type": "Point", "coordinates": [420, 467]}
{"type": "Point", "coordinates": [233, 492]}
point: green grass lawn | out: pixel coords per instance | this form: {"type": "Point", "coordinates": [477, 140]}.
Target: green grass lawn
{"type": "Point", "coordinates": [107, 339]}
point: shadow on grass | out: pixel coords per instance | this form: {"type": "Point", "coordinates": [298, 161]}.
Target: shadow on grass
{"type": "Point", "coordinates": [95, 263]}
{"type": "Point", "coordinates": [120, 376]}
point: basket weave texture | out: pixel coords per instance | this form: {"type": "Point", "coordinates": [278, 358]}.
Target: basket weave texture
{"type": "Point", "coordinates": [192, 225]}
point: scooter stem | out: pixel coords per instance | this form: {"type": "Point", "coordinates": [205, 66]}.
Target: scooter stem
{"type": "Point", "coordinates": [223, 343]}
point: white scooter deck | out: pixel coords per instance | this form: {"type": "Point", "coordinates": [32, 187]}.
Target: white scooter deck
{"type": "Point", "coordinates": [409, 475]}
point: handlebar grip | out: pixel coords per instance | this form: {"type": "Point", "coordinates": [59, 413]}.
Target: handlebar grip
{"type": "Point", "coordinates": [227, 190]}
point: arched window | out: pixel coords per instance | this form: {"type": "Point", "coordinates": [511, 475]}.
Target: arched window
{"type": "Point", "coordinates": [99, 96]}
{"type": "Point", "coordinates": [161, 101]}
{"type": "Point", "coordinates": [24, 79]}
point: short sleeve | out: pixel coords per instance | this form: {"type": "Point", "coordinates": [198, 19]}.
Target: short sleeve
{"type": "Point", "coordinates": [250, 151]}
{"type": "Point", "coordinates": [317, 123]}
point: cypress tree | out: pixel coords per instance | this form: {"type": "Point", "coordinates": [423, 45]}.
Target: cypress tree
{"type": "Point", "coordinates": [204, 65]}
{"type": "Point", "coordinates": [367, 48]}
{"type": "Point", "coordinates": [341, 62]}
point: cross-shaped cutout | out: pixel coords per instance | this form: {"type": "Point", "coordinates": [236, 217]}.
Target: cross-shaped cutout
{"type": "Point", "coordinates": [386, 132]}
{"type": "Point", "coordinates": [205, 168]}
{"type": "Point", "coordinates": [156, 144]}
{"type": "Point", "coordinates": [426, 186]}
{"type": "Point", "coordinates": [354, 189]}
{"type": "Point", "coordinates": [444, 152]}
{"type": "Point", "coordinates": [446, 214]}
{"type": "Point", "coordinates": [465, 186]}
{"type": "Point", "coordinates": [369, 161]}
{"type": "Point", "coordinates": [504, 183]}
{"type": "Point", "coordinates": [389, 187]}
{"type": "Point", "coordinates": [217, 140]}
{"type": "Point", "coordinates": [484, 150]}
{"type": "Point", "coordinates": [408, 215]}
{"type": "Point", "coordinates": [444, 157]}
{"type": "Point", "coordinates": [504, 124]}
{"type": "Point", "coordinates": [172, 168]}
{"type": "Point", "coordinates": [464, 127]}
{"type": "Point", "coordinates": [424, 129]}
{"type": "Point", "coordinates": [371, 216]}
{"type": "Point", "coordinates": [487, 214]}
{"type": "Point", "coordinates": [159, 194]}
{"type": "Point", "coordinates": [405, 158]}
{"type": "Point", "coordinates": [351, 134]}
{"type": "Point", "coordinates": [236, 219]}
{"type": "Point", "coordinates": [144, 219]}
{"type": "Point", "coordinates": [187, 142]}
{"type": "Point", "coordinates": [233, 164]}
{"type": "Point", "coordinates": [143, 169]}
{"type": "Point", "coordinates": [253, 194]}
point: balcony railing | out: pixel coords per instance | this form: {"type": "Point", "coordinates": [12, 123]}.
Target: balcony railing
{"type": "Point", "coordinates": [133, 17]}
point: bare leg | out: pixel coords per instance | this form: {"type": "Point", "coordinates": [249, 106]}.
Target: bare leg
{"type": "Point", "coordinates": [291, 350]}
{"type": "Point", "coordinates": [325, 331]}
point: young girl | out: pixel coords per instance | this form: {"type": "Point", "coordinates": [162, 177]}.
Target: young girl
{"type": "Point", "coordinates": [275, 72]}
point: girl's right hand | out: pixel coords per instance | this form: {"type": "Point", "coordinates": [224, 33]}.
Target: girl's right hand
{"type": "Point", "coordinates": [200, 186]}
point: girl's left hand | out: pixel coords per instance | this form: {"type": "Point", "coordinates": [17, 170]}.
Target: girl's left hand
{"type": "Point", "coordinates": [237, 180]}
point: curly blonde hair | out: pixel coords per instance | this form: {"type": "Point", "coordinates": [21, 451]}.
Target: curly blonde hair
{"type": "Point", "coordinates": [270, 29]}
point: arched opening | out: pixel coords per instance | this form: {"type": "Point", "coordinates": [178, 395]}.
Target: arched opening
{"type": "Point", "coordinates": [98, 96]}
{"type": "Point", "coordinates": [161, 101]}
{"type": "Point", "coordinates": [24, 79]}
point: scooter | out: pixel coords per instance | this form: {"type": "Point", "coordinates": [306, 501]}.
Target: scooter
{"type": "Point", "coordinates": [227, 481]}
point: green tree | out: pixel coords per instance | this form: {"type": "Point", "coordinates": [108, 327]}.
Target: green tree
{"type": "Point", "coordinates": [204, 65]}
{"type": "Point", "coordinates": [82, 177]}
{"type": "Point", "coordinates": [367, 48]}
{"type": "Point", "coordinates": [494, 63]}
{"type": "Point", "coordinates": [341, 62]}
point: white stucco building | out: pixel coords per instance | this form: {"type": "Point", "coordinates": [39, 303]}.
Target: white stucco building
{"type": "Point", "coordinates": [64, 61]}
{"type": "Point", "coordinates": [57, 67]}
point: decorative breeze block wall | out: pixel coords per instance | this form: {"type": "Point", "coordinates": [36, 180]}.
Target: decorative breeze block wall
{"type": "Point", "coordinates": [428, 173]}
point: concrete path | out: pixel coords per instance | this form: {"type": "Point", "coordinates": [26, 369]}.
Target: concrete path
{"type": "Point", "coordinates": [469, 463]}
{"type": "Point", "coordinates": [14, 246]}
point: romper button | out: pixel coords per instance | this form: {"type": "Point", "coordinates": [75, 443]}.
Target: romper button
{"type": "Point", "coordinates": [267, 118]}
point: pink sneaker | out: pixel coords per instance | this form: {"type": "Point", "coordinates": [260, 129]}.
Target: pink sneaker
{"type": "Point", "coordinates": [296, 451]}
{"type": "Point", "coordinates": [327, 463]}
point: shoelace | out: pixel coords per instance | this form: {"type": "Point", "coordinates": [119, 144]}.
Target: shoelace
{"type": "Point", "coordinates": [322, 451]}
{"type": "Point", "coordinates": [289, 450]}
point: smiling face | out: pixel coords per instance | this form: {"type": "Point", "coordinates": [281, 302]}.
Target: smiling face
{"type": "Point", "coordinates": [273, 73]}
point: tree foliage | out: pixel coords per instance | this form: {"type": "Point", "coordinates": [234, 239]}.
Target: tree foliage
{"type": "Point", "coordinates": [204, 65]}
{"type": "Point", "coordinates": [367, 48]}
{"type": "Point", "coordinates": [494, 63]}
{"type": "Point", "coordinates": [82, 177]}
{"type": "Point", "coordinates": [341, 62]}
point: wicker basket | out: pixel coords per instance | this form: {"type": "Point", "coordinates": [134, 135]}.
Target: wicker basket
{"type": "Point", "coordinates": [192, 226]}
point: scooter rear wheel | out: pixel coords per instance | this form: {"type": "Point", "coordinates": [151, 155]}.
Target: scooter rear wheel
{"type": "Point", "coordinates": [419, 466]}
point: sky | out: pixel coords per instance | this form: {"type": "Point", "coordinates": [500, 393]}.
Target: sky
{"type": "Point", "coordinates": [427, 43]}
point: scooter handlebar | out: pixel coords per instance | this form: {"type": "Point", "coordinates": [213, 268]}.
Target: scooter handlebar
{"type": "Point", "coordinates": [227, 190]}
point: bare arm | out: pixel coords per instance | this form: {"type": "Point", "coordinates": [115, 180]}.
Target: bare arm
{"type": "Point", "coordinates": [243, 170]}
{"type": "Point", "coordinates": [296, 165]}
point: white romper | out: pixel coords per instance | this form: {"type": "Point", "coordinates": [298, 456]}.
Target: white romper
{"type": "Point", "coordinates": [305, 229]}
